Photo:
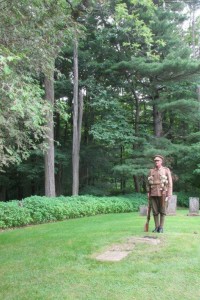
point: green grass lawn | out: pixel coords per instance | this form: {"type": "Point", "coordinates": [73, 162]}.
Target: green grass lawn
{"type": "Point", "coordinates": [54, 261]}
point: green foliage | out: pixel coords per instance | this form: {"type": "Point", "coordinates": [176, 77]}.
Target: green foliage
{"type": "Point", "coordinates": [37, 209]}
{"type": "Point", "coordinates": [31, 38]}
{"type": "Point", "coordinates": [96, 190]}
{"type": "Point", "coordinates": [23, 113]}
{"type": "Point", "coordinates": [129, 64]}
{"type": "Point", "coordinates": [183, 198]}
{"type": "Point", "coordinates": [13, 215]}
{"type": "Point", "coordinates": [130, 21]}
{"type": "Point", "coordinates": [113, 127]}
{"type": "Point", "coordinates": [61, 108]}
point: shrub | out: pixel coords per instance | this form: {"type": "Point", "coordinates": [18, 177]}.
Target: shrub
{"type": "Point", "coordinates": [37, 209]}
{"type": "Point", "coordinates": [183, 198]}
{"type": "Point", "coordinates": [13, 215]}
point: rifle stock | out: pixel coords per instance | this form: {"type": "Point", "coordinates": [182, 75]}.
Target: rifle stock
{"type": "Point", "coordinates": [146, 226]}
{"type": "Point", "coordinates": [163, 199]}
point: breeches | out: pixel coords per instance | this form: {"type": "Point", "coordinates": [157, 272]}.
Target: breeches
{"type": "Point", "coordinates": [157, 207]}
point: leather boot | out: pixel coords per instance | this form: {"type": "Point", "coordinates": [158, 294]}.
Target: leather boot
{"type": "Point", "coordinates": [162, 220]}
{"type": "Point", "coordinates": [160, 230]}
{"type": "Point", "coordinates": [156, 221]}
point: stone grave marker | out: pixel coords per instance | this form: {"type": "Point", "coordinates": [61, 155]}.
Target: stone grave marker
{"type": "Point", "coordinates": [172, 204]}
{"type": "Point", "coordinates": [193, 206]}
{"type": "Point", "coordinates": [143, 210]}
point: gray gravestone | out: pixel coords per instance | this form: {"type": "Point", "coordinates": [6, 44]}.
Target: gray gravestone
{"type": "Point", "coordinates": [171, 206]}
{"type": "Point", "coordinates": [193, 206]}
{"type": "Point", "coordinates": [143, 210]}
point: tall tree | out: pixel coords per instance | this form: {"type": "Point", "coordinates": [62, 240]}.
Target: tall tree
{"type": "Point", "coordinates": [77, 10]}
{"type": "Point", "coordinates": [144, 68]}
{"type": "Point", "coordinates": [49, 154]}
{"type": "Point", "coordinates": [76, 123]}
{"type": "Point", "coordinates": [41, 27]}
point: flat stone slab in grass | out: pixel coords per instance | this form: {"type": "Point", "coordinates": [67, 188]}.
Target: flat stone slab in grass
{"type": "Point", "coordinates": [112, 255]}
{"type": "Point", "coordinates": [120, 251]}
{"type": "Point", "coordinates": [122, 247]}
{"type": "Point", "coordinates": [193, 215]}
{"type": "Point", "coordinates": [146, 239]}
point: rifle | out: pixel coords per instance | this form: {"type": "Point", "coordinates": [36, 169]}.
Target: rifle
{"type": "Point", "coordinates": [146, 226]}
{"type": "Point", "coordinates": [163, 199]}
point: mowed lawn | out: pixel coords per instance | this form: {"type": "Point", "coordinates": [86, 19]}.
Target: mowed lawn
{"type": "Point", "coordinates": [55, 261]}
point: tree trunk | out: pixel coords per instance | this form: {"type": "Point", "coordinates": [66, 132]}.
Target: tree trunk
{"type": "Point", "coordinates": [49, 155]}
{"type": "Point", "coordinates": [80, 117]}
{"type": "Point", "coordinates": [157, 119]}
{"type": "Point", "coordinates": [59, 166]}
{"type": "Point", "coordinates": [33, 187]}
{"type": "Point", "coordinates": [122, 179]}
{"type": "Point", "coordinates": [193, 30]}
{"type": "Point", "coordinates": [77, 124]}
{"type": "Point", "coordinates": [123, 185]}
{"type": "Point", "coordinates": [57, 127]}
{"type": "Point", "coordinates": [86, 142]}
{"type": "Point", "coordinates": [2, 193]}
{"type": "Point", "coordinates": [198, 94]}
{"type": "Point", "coordinates": [58, 179]}
{"type": "Point", "coordinates": [136, 183]}
{"type": "Point", "coordinates": [75, 154]}
{"type": "Point", "coordinates": [137, 114]}
{"type": "Point", "coordinates": [135, 145]}
{"type": "Point", "coordinates": [19, 192]}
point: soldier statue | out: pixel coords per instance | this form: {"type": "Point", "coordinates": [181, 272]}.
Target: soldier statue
{"type": "Point", "coordinates": [159, 190]}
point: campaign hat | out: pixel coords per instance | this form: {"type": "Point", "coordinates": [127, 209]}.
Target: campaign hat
{"type": "Point", "coordinates": [158, 157]}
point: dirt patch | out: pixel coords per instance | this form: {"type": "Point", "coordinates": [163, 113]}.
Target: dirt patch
{"type": "Point", "coordinates": [112, 255]}
{"type": "Point", "coordinates": [120, 251]}
{"type": "Point", "coordinates": [146, 239]}
{"type": "Point", "coordinates": [193, 215]}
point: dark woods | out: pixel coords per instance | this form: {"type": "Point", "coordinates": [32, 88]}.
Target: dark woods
{"type": "Point", "coordinates": [91, 90]}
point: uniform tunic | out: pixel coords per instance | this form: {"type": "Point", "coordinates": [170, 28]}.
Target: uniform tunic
{"type": "Point", "coordinates": [156, 189]}
{"type": "Point", "coordinates": [159, 183]}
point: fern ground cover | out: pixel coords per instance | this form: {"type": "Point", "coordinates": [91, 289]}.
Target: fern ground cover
{"type": "Point", "coordinates": [54, 260]}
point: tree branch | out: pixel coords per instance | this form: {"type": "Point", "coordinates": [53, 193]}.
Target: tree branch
{"type": "Point", "coordinates": [70, 4]}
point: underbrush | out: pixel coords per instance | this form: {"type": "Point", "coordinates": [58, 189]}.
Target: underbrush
{"type": "Point", "coordinates": [37, 209]}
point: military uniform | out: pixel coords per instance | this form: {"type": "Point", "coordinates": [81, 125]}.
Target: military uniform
{"type": "Point", "coordinates": [159, 188]}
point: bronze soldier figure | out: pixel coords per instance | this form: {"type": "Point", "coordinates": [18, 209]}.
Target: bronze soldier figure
{"type": "Point", "coordinates": [159, 190]}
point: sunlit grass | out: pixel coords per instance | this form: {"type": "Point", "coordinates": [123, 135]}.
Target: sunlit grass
{"type": "Point", "coordinates": [54, 261]}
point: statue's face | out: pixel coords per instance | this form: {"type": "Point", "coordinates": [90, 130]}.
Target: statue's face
{"type": "Point", "coordinates": [158, 163]}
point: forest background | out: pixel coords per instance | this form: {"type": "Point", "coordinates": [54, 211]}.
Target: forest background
{"type": "Point", "coordinates": [91, 90]}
